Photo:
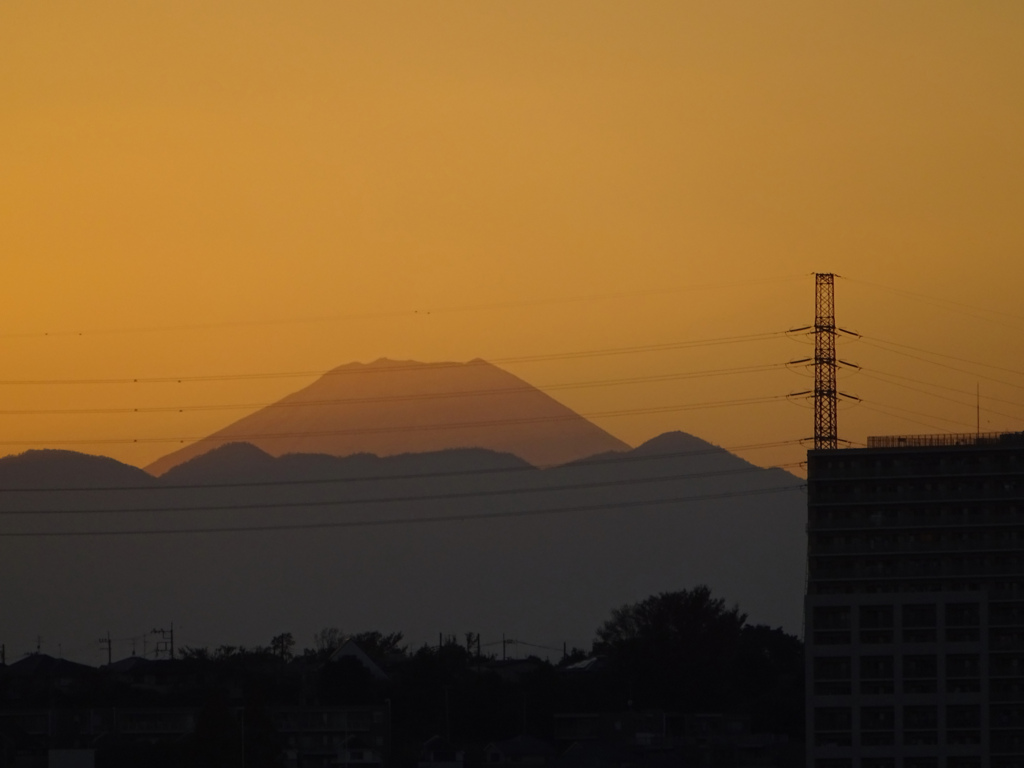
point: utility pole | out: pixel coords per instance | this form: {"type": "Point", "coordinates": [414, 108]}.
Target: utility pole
{"type": "Point", "coordinates": [447, 715]}
{"type": "Point", "coordinates": [105, 643]}
{"type": "Point", "coordinates": [387, 704]}
{"type": "Point", "coordinates": [166, 643]}
{"type": "Point", "coordinates": [505, 643]}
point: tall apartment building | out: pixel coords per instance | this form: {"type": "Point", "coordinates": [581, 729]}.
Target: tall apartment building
{"type": "Point", "coordinates": [914, 614]}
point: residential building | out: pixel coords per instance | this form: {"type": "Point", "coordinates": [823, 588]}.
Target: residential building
{"type": "Point", "coordinates": [914, 614]}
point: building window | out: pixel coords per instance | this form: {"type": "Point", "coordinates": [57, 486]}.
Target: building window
{"type": "Point", "coordinates": [1008, 741]}
{"type": "Point", "coordinates": [919, 623]}
{"type": "Point", "coordinates": [1007, 665]}
{"type": "Point", "coordinates": [919, 674]}
{"type": "Point", "coordinates": [832, 726]}
{"type": "Point", "coordinates": [832, 675]}
{"type": "Point", "coordinates": [876, 623]}
{"type": "Point", "coordinates": [876, 674]}
{"type": "Point", "coordinates": [1008, 716]}
{"type": "Point", "coordinates": [963, 673]}
{"type": "Point", "coordinates": [831, 624]}
{"type": "Point", "coordinates": [921, 717]}
{"type": "Point", "coordinates": [963, 716]}
{"type": "Point", "coordinates": [876, 726]}
{"type": "Point", "coordinates": [962, 622]}
{"type": "Point", "coordinates": [877, 738]}
{"type": "Point", "coordinates": [920, 725]}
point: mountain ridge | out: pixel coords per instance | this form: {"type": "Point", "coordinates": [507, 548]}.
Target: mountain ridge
{"type": "Point", "coordinates": [388, 407]}
{"type": "Point", "coordinates": [62, 468]}
{"type": "Point", "coordinates": [241, 545]}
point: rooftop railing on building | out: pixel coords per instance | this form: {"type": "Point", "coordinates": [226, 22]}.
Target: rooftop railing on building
{"type": "Point", "coordinates": [946, 440]}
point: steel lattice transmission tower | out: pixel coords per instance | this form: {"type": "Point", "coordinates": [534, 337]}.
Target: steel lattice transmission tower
{"type": "Point", "coordinates": [826, 394]}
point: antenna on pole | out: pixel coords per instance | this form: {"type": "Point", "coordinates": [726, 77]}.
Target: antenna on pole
{"type": "Point", "coordinates": [105, 643]}
{"type": "Point", "coordinates": [826, 395]}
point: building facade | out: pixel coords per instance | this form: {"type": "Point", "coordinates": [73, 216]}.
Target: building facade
{"type": "Point", "coordinates": [914, 612]}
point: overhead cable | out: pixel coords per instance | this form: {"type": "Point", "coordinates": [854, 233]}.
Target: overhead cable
{"type": "Point", "coordinates": [428, 310]}
{"type": "Point", "coordinates": [349, 370]}
{"type": "Point", "coordinates": [402, 521]}
{"type": "Point", "coordinates": [409, 428]}
{"type": "Point", "coordinates": [293, 403]}
{"type": "Point", "coordinates": [981, 313]}
{"type": "Point", "coordinates": [940, 397]}
{"type": "Point", "coordinates": [886, 346]}
{"type": "Point", "coordinates": [417, 498]}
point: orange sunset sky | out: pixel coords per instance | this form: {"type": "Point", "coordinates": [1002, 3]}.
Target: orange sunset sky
{"type": "Point", "coordinates": [195, 189]}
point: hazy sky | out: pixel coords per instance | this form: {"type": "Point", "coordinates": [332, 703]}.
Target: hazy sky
{"type": "Point", "coordinates": [197, 188]}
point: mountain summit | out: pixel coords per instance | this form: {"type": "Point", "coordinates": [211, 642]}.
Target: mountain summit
{"type": "Point", "coordinates": [390, 407]}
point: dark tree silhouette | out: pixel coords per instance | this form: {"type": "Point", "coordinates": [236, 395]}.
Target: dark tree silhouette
{"type": "Point", "coordinates": [379, 645]}
{"type": "Point", "coordinates": [770, 667]}
{"type": "Point", "coordinates": [325, 642]}
{"type": "Point", "coordinates": [675, 649]}
{"type": "Point", "coordinates": [281, 645]}
{"type": "Point", "coordinates": [683, 617]}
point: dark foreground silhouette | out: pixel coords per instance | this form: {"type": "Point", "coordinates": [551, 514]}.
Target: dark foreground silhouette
{"type": "Point", "coordinates": [676, 679]}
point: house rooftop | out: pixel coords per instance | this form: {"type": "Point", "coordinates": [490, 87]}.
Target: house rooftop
{"type": "Point", "coordinates": [40, 664]}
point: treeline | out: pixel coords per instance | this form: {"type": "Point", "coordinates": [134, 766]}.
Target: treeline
{"type": "Point", "coordinates": [677, 653]}
{"type": "Point", "coordinates": [684, 651]}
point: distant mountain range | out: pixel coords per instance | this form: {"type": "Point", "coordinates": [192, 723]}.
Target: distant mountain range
{"type": "Point", "coordinates": [389, 407]}
{"type": "Point", "coordinates": [448, 541]}
{"type": "Point", "coordinates": [395, 496]}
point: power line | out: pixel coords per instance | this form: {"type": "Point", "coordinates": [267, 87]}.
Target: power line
{"type": "Point", "coordinates": [527, 389]}
{"type": "Point", "coordinates": [392, 499]}
{"type": "Point", "coordinates": [946, 365]}
{"type": "Point", "coordinates": [391, 522]}
{"type": "Point", "coordinates": [367, 369]}
{"type": "Point", "coordinates": [940, 397]}
{"type": "Point", "coordinates": [519, 468]}
{"type": "Point", "coordinates": [887, 410]}
{"type": "Point", "coordinates": [968, 309]}
{"type": "Point", "coordinates": [929, 416]}
{"type": "Point", "coordinates": [989, 398]}
{"type": "Point", "coordinates": [890, 414]}
{"type": "Point", "coordinates": [404, 313]}
{"type": "Point", "coordinates": [411, 428]}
